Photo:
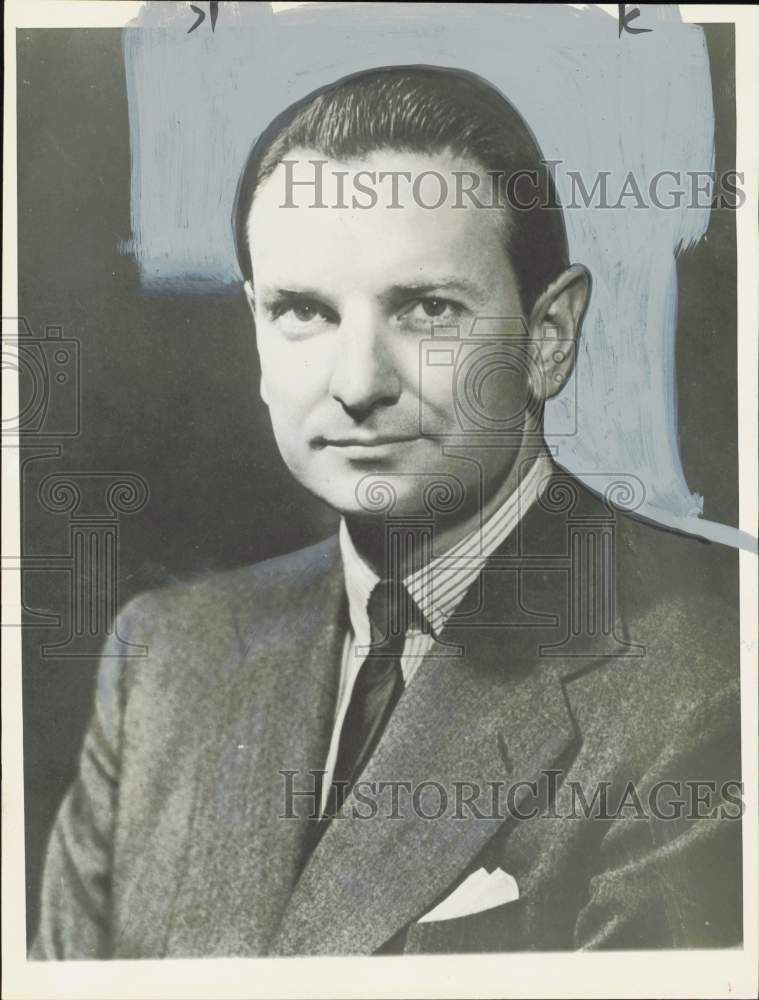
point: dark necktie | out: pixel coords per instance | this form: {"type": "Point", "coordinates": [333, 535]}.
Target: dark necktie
{"type": "Point", "coordinates": [377, 688]}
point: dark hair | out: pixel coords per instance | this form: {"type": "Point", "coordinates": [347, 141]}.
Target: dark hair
{"type": "Point", "coordinates": [424, 109]}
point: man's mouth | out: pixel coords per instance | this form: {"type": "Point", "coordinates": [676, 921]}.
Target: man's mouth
{"type": "Point", "coordinates": [366, 447]}
{"type": "Point", "coordinates": [363, 440]}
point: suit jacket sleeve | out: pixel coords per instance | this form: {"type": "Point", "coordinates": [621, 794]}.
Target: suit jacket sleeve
{"type": "Point", "coordinates": [673, 880]}
{"type": "Point", "coordinates": [76, 885]}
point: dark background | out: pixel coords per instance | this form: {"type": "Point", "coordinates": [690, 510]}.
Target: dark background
{"type": "Point", "coordinates": [168, 386]}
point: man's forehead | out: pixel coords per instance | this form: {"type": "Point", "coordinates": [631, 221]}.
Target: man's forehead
{"type": "Point", "coordinates": [379, 212]}
{"type": "Point", "coordinates": [382, 178]}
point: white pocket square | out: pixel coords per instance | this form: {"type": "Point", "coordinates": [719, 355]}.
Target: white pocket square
{"type": "Point", "coordinates": [482, 890]}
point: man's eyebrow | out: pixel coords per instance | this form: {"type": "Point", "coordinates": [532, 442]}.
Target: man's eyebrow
{"type": "Point", "coordinates": [438, 284]}
{"type": "Point", "coordinates": [392, 295]}
{"type": "Point", "coordinates": [294, 292]}
{"type": "Point", "coordinates": [290, 290]}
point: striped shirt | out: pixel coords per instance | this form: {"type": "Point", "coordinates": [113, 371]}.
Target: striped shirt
{"type": "Point", "coordinates": [437, 588]}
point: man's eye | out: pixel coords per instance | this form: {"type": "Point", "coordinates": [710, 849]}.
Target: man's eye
{"type": "Point", "coordinates": [433, 308]}
{"type": "Point", "coordinates": [300, 313]}
{"type": "Point", "coordinates": [304, 313]}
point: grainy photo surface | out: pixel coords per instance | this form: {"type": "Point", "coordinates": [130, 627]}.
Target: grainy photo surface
{"type": "Point", "coordinates": [377, 437]}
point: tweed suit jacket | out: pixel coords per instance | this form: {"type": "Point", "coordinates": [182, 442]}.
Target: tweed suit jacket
{"type": "Point", "coordinates": [572, 663]}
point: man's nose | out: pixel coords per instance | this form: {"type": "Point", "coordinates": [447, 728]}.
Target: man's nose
{"type": "Point", "coordinates": [364, 376]}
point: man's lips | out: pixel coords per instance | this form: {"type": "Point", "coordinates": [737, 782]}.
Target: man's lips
{"type": "Point", "coordinates": [362, 440]}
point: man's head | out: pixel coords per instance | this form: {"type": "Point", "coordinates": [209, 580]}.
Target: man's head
{"type": "Point", "coordinates": [345, 296]}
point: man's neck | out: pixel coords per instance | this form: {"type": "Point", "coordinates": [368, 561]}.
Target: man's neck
{"type": "Point", "coordinates": [370, 536]}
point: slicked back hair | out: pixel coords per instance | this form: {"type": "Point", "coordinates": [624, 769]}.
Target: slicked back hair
{"type": "Point", "coordinates": [424, 110]}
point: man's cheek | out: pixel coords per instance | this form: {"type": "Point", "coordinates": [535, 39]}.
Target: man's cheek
{"type": "Point", "coordinates": [437, 398]}
{"type": "Point", "coordinates": [299, 373]}
{"type": "Point", "coordinates": [292, 448]}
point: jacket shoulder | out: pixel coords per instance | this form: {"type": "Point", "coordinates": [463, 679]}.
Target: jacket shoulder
{"type": "Point", "coordinates": [262, 586]}
{"type": "Point", "coordinates": [200, 624]}
{"type": "Point", "coordinates": [675, 685]}
{"type": "Point", "coordinates": [673, 670]}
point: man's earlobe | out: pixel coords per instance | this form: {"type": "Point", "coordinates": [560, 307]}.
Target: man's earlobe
{"type": "Point", "coordinates": [554, 328]}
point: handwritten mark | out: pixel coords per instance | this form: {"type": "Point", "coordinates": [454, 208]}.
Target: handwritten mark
{"type": "Point", "coordinates": [624, 20]}
{"type": "Point", "coordinates": [213, 8]}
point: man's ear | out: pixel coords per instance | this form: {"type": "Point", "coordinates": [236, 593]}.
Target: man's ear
{"type": "Point", "coordinates": [554, 327]}
{"type": "Point", "coordinates": [250, 296]}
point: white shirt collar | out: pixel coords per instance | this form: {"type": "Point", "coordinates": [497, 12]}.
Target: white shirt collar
{"type": "Point", "coordinates": [439, 587]}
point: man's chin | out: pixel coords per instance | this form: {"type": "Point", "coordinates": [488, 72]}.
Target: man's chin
{"type": "Point", "coordinates": [400, 490]}
{"type": "Point", "coordinates": [375, 497]}
{"type": "Point", "coordinates": [375, 502]}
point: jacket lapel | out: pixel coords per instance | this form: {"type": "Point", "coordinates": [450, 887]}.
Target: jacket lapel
{"type": "Point", "coordinates": [270, 712]}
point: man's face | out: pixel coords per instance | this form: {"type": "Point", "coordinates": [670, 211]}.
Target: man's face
{"type": "Point", "coordinates": [344, 297]}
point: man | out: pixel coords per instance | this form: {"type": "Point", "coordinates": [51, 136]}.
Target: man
{"type": "Point", "coordinates": [474, 720]}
